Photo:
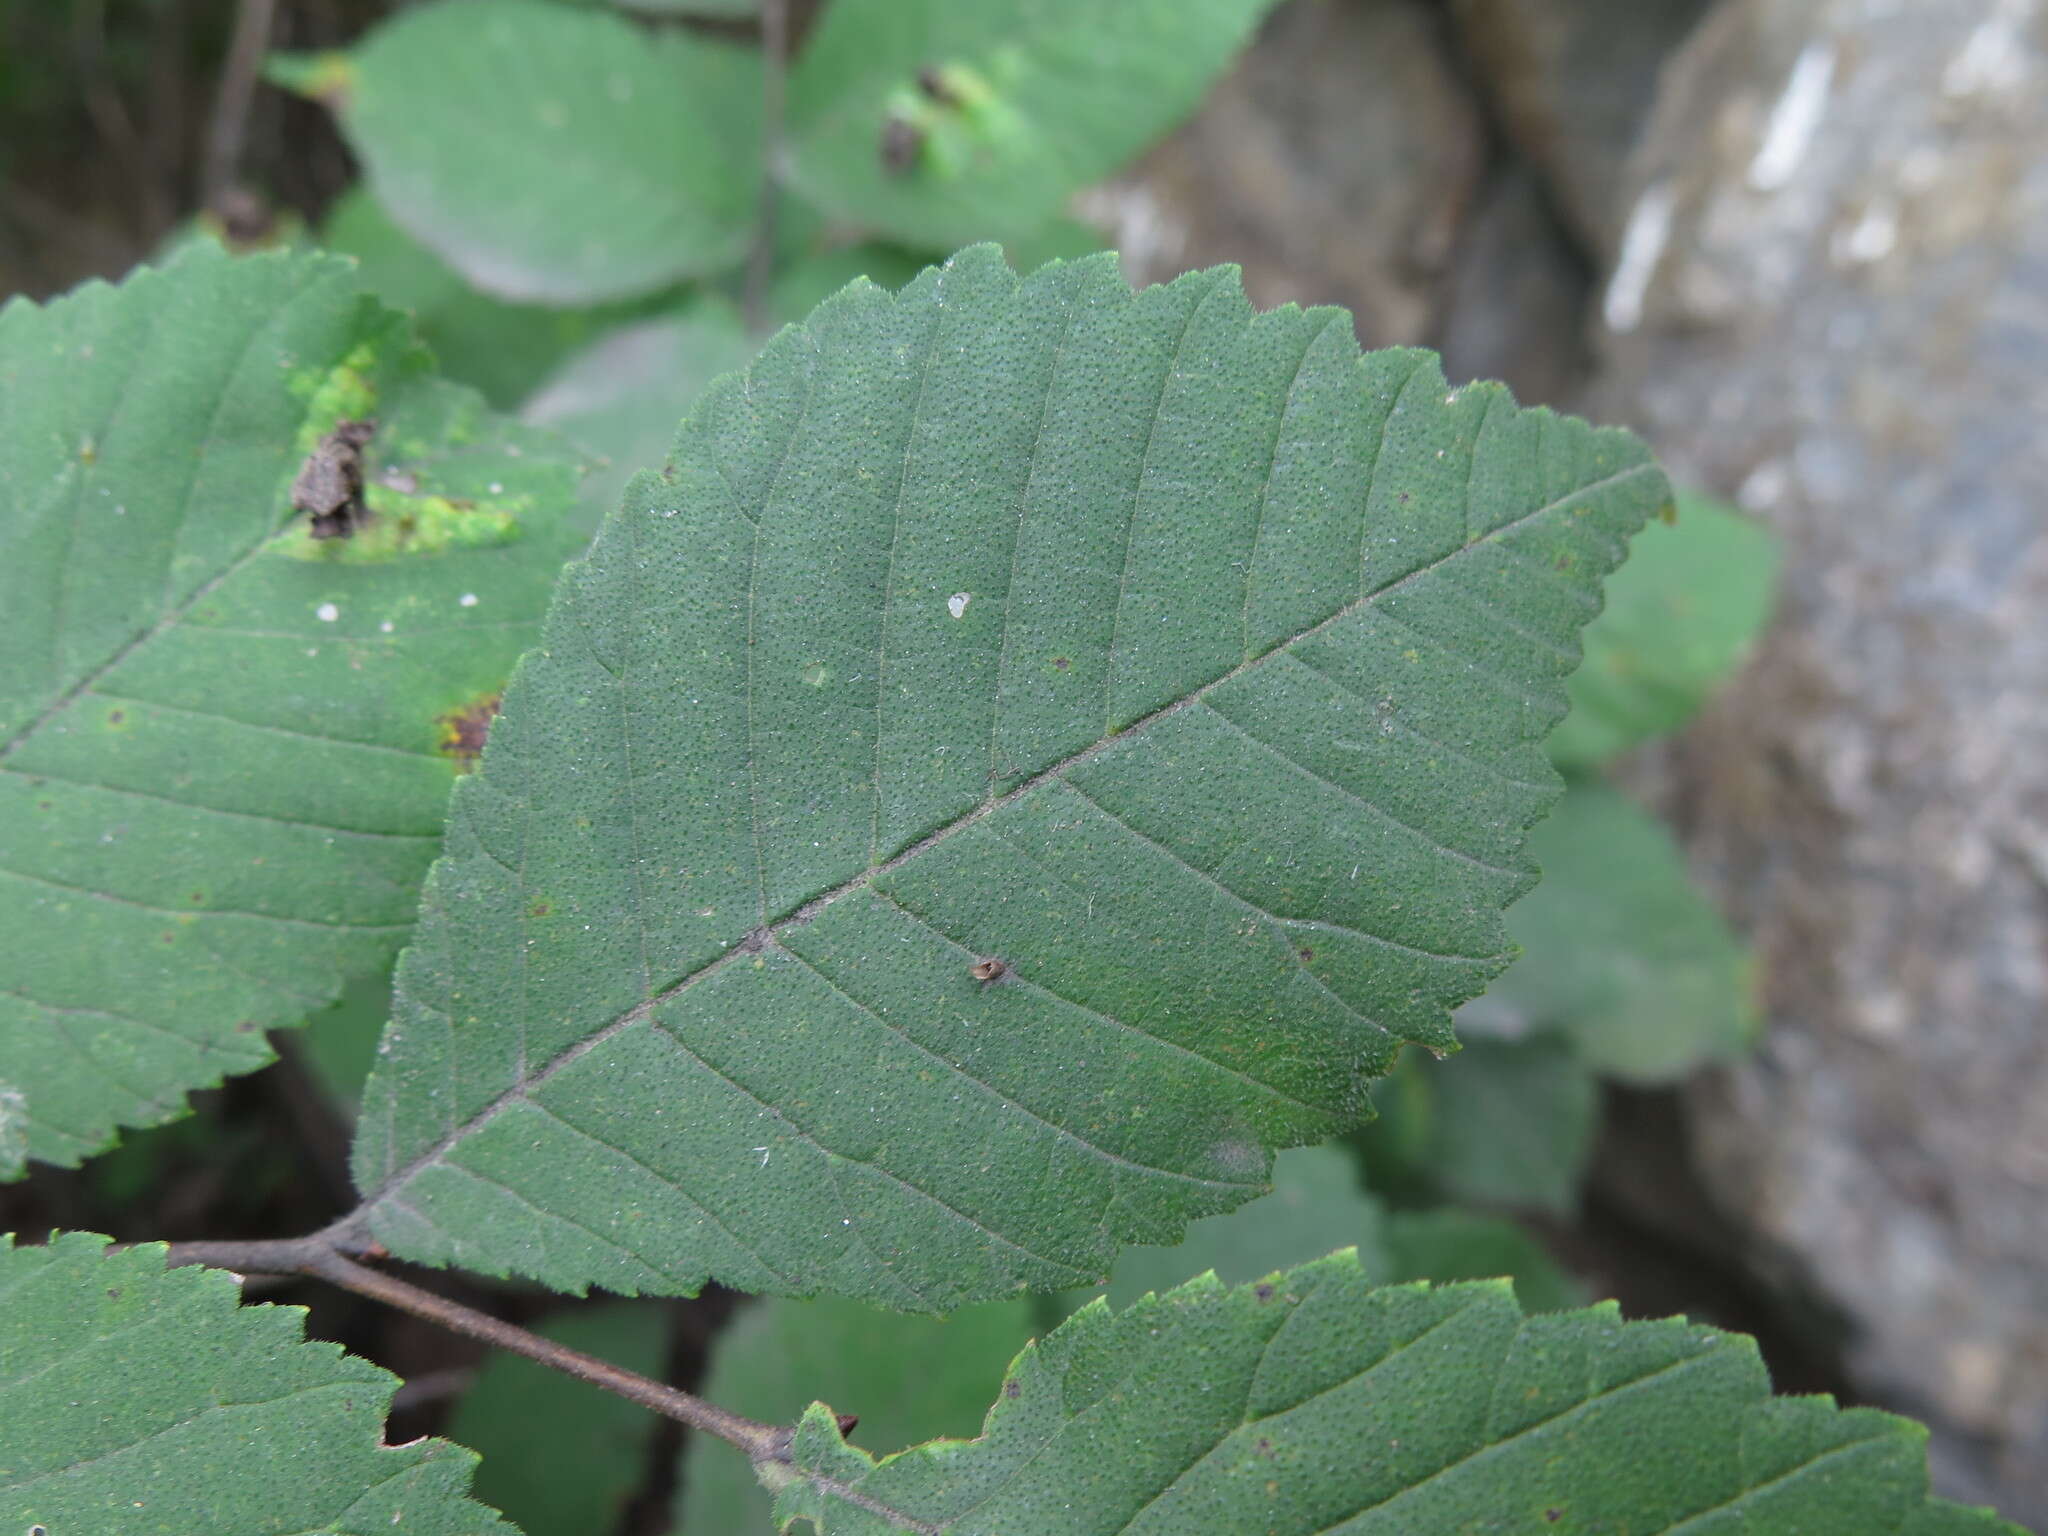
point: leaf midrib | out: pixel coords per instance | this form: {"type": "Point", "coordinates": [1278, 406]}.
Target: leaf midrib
{"type": "Point", "coordinates": [758, 939]}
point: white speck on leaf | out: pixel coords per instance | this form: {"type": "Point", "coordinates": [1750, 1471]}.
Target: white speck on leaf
{"type": "Point", "coordinates": [468, 599]}
{"type": "Point", "coordinates": [387, 627]}
{"type": "Point", "coordinates": [327, 613]}
{"type": "Point", "coordinates": [957, 604]}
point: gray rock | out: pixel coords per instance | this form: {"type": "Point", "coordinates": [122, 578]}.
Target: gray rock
{"type": "Point", "coordinates": [1335, 162]}
{"type": "Point", "coordinates": [1571, 82]}
{"type": "Point", "coordinates": [1518, 295]}
{"type": "Point", "coordinates": [1832, 300]}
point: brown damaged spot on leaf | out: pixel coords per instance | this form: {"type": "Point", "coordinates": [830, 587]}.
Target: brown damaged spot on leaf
{"type": "Point", "coordinates": [466, 728]}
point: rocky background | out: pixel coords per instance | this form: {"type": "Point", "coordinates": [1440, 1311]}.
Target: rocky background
{"type": "Point", "coordinates": [1802, 245]}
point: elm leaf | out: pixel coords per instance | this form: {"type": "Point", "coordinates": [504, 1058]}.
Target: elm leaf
{"type": "Point", "coordinates": [226, 745]}
{"type": "Point", "coordinates": [1311, 1402]}
{"type": "Point", "coordinates": [136, 1400]}
{"type": "Point", "coordinates": [1035, 749]}
{"type": "Point", "coordinates": [550, 154]}
{"type": "Point", "coordinates": [936, 123]}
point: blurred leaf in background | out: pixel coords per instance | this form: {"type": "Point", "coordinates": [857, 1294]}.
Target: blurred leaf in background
{"type": "Point", "coordinates": [939, 123]}
{"type": "Point", "coordinates": [909, 1379]}
{"type": "Point", "coordinates": [550, 153]}
{"type": "Point", "coordinates": [1500, 1123]}
{"type": "Point", "coordinates": [1681, 615]}
{"type": "Point", "coordinates": [623, 396]}
{"type": "Point", "coordinates": [1622, 954]}
{"type": "Point", "coordinates": [561, 1457]}
{"type": "Point", "coordinates": [503, 349]}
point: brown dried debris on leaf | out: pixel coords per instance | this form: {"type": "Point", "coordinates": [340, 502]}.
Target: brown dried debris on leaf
{"type": "Point", "coordinates": [329, 486]}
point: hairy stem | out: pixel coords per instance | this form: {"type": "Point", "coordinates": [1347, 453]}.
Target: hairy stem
{"type": "Point", "coordinates": [774, 71]}
{"type": "Point", "coordinates": [318, 1256]}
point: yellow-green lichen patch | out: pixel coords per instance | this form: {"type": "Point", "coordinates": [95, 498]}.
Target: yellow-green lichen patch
{"type": "Point", "coordinates": [343, 393]}
{"type": "Point", "coordinates": [411, 523]}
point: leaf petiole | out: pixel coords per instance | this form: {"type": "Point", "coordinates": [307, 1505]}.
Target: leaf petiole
{"type": "Point", "coordinates": [319, 1256]}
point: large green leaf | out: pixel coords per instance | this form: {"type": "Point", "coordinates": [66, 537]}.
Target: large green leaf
{"type": "Point", "coordinates": [1176, 657]}
{"type": "Point", "coordinates": [908, 1379]}
{"type": "Point", "coordinates": [1680, 617]}
{"type": "Point", "coordinates": [137, 1401]}
{"type": "Point", "coordinates": [1622, 953]}
{"type": "Point", "coordinates": [222, 764]}
{"type": "Point", "coordinates": [1311, 1403]}
{"type": "Point", "coordinates": [937, 123]}
{"type": "Point", "coordinates": [554, 154]}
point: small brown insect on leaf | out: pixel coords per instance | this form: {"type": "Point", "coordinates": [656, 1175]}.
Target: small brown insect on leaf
{"type": "Point", "coordinates": [989, 971]}
{"type": "Point", "coordinates": [901, 142]}
{"type": "Point", "coordinates": [848, 1422]}
{"type": "Point", "coordinates": [329, 485]}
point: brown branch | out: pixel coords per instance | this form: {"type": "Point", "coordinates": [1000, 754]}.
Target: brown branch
{"type": "Point", "coordinates": [774, 76]}
{"type": "Point", "coordinates": [317, 1256]}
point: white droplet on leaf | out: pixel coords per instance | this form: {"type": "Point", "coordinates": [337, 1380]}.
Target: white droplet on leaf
{"type": "Point", "coordinates": [957, 604]}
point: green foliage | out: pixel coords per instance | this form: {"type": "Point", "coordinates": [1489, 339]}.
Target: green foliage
{"type": "Point", "coordinates": [909, 1379]}
{"type": "Point", "coordinates": [1623, 956]}
{"type": "Point", "coordinates": [1502, 1123]}
{"type": "Point", "coordinates": [552, 154]}
{"type": "Point", "coordinates": [1680, 617]}
{"type": "Point", "coordinates": [560, 1457]}
{"type": "Point", "coordinates": [136, 1400]}
{"type": "Point", "coordinates": [1449, 1244]}
{"type": "Point", "coordinates": [504, 350]}
{"type": "Point", "coordinates": [939, 123]}
{"type": "Point", "coordinates": [621, 396]}
{"type": "Point", "coordinates": [1311, 1402]}
{"type": "Point", "coordinates": [225, 758]}
{"type": "Point", "coordinates": [1178, 657]}
{"type": "Point", "coordinates": [1317, 1203]}
{"type": "Point", "coordinates": [1026, 753]}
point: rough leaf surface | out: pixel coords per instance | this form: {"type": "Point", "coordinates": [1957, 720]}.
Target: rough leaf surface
{"type": "Point", "coordinates": [937, 122]}
{"type": "Point", "coordinates": [553, 154]}
{"type": "Point", "coordinates": [1311, 1404]}
{"type": "Point", "coordinates": [221, 767]}
{"type": "Point", "coordinates": [1180, 659]}
{"type": "Point", "coordinates": [136, 1400]}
